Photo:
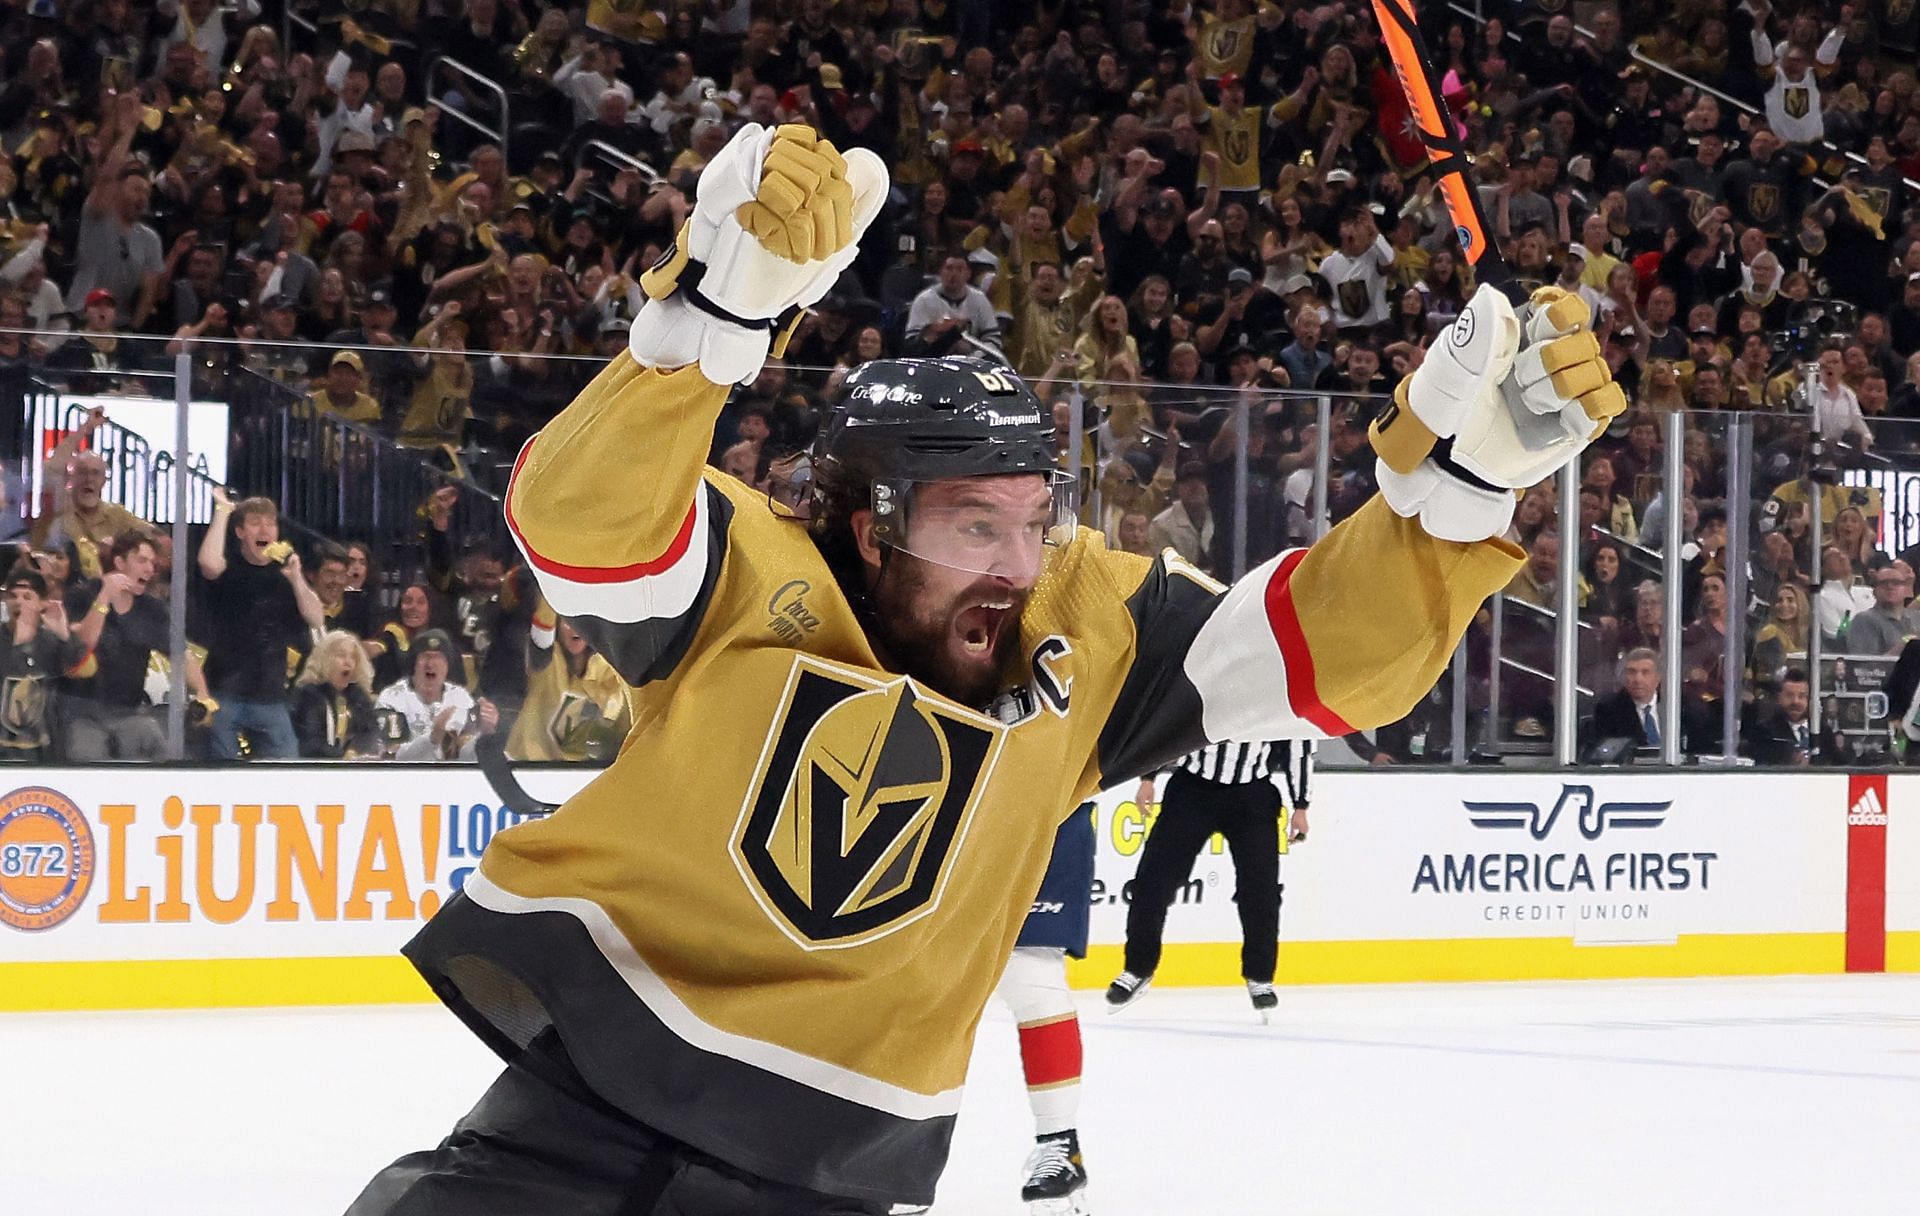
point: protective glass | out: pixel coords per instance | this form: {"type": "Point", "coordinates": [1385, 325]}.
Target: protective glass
{"type": "Point", "coordinates": [975, 532]}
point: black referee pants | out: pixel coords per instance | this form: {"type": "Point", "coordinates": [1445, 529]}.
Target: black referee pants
{"type": "Point", "coordinates": [1191, 810]}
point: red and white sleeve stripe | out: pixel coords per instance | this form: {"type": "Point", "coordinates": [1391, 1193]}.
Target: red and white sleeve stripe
{"type": "Point", "coordinates": [1250, 663]}
{"type": "Point", "coordinates": [661, 587]}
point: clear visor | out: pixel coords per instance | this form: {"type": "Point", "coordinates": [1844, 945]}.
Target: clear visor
{"type": "Point", "coordinates": [999, 526]}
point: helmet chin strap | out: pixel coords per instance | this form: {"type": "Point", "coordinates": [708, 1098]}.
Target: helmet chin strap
{"type": "Point", "coordinates": [870, 605]}
{"type": "Point", "coordinates": [866, 607]}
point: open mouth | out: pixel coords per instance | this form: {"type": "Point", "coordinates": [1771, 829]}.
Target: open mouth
{"type": "Point", "coordinates": [979, 627]}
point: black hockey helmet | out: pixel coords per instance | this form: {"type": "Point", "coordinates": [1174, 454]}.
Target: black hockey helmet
{"type": "Point", "coordinates": [925, 419]}
{"type": "Point", "coordinates": [902, 423]}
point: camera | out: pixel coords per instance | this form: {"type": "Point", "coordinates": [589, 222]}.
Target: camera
{"type": "Point", "coordinates": [1813, 323]}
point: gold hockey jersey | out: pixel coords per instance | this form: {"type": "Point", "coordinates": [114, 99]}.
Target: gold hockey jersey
{"type": "Point", "coordinates": [770, 927]}
{"type": "Point", "coordinates": [562, 708]}
{"type": "Point", "coordinates": [1235, 135]}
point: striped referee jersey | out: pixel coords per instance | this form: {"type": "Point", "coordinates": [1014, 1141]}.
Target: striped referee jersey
{"type": "Point", "coordinates": [1288, 763]}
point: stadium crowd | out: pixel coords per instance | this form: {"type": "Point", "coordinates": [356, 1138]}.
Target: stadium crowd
{"type": "Point", "coordinates": [1158, 213]}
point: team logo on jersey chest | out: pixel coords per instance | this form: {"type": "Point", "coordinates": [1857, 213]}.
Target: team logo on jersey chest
{"type": "Point", "coordinates": [572, 713]}
{"type": "Point", "coordinates": [23, 704]}
{"type": "Point", "coordinates": [864, 795]}
{"type": "Point", "coordinates": [1238, 145]}
{"type": "Point", "coordinates": [1355, 300]}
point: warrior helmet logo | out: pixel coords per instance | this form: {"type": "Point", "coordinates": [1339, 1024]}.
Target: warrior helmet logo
{"type": "Point", "coordinates": [862, 802]}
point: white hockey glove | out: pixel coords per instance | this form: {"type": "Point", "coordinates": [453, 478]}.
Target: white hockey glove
{"type": "Point", "coordinates": [1482, 417]}
{"type": "Point", "coordinates": [779, 217]}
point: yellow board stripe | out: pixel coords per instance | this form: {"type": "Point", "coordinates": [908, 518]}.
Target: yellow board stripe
{"type": "Point", "coordinates": [1903, 951]}
{"type": "Point", "coordinates": [211, 983]}
{"type": "Point", "coordinates": [1511, 958]}
{"type": "Point", "coordinates": [236, 983]}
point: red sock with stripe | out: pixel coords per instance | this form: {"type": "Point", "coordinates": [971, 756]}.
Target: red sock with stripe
{"type": "Point", "coordinates": [1051, 1056]}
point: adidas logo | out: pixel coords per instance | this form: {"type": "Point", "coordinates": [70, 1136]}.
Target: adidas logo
{"type": "Point", "coordinates": [1867, 811]}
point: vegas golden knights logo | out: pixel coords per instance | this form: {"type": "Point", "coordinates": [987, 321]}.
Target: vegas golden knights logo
{"type": "Point", "coordinates": [1223, 40]}
{"type": "Point", "coordinates": [1795, 101]}
{"type": "Point", "coordinates": [1354, 297]}
{"type": "Point", "coordinates": [1763, 202]}
{"type": "Point", "coordinates": [573, 712]}
{"type": "Point", "coordinates": [865, 791]}
{"type": "Point", "coordinates": [1238, 145]}
{"type": "Point", "coordinates": [23, 705]}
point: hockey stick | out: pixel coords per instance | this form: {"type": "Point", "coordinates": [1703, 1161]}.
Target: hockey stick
{"type": "Point", "coordinates": [491, 751]}
{"type": "Point", "coordinates": [1449, 162]}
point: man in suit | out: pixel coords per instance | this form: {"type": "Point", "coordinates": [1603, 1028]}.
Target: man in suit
{"type": "Point", "coordinates": [1781, 732]}
{"type": "Point", "coordinates": [1634, 712]}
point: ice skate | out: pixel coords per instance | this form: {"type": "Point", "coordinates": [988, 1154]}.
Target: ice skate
{"type": "Point", "coordinates": [1264, 999]}
{"type": "Point", "coordinates": [1056, 1180]}
{"type": "Point", "coordinates": [1126, 989]}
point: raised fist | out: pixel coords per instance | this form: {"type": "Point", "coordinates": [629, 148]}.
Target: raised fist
{"type": "Point", "coordinates": [803, 209]}
{"type": "Point", "coordinates": [1483, 415]}
{"type": "Point", "coordinates": [779, 217]}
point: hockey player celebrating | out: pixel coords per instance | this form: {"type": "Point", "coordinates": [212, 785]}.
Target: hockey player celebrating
{"type": "Point", "coordinates": [740, 972]}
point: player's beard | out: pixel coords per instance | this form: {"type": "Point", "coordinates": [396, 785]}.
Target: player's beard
{"type": "Point", "coordinates": [917, 632]}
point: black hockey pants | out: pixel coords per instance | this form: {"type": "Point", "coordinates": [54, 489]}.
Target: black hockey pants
{"type": "Point", "coordinates": [540, 1143]}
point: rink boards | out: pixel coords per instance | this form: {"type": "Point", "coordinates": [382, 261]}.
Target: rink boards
{"type": "Point", "coordinates": [272, 885]}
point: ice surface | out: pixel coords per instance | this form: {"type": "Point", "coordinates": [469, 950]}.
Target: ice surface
{"type": "Point", "coordinates": [1708, 1096]}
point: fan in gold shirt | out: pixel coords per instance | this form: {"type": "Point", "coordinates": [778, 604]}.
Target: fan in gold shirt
{"type": "Point", "coordinates": [340, 395]}
{"type": "Point", "coordinates": [576, 706]}
{"type": "Point", "coordinates": [443, 396]}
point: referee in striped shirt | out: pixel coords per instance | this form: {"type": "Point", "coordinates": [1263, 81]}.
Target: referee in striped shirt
{"type": "Point", "coordinates": [1234, 789]}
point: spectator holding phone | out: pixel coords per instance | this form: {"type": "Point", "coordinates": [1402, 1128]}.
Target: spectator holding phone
{"type": "Point", "coordinates": [261, 608]}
